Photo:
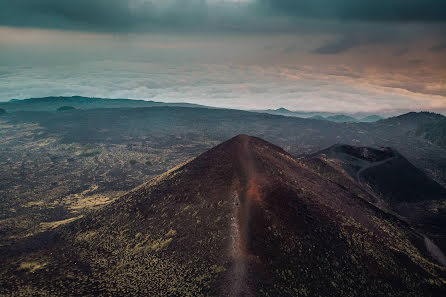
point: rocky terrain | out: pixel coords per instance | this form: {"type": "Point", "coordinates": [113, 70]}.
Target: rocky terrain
{"type": "Point", "coordinates": [245, 218]}
{"type": "Point", "coordinates": [57, 166]}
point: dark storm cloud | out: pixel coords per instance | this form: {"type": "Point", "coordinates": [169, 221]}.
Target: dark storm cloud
{"type": "Point", "coordinates": [102, 15]}
{"type": "Point", "coordinates": [147, 15]}
{"type": "Point", "coordinates": [367, 10]}
{"type": "Point", "coordinates": [416, 62]}
{"type": "Point", "coordinates": [358, 38]}
{"type": "Point", "coordinates": [338, 46]}
{"type": "Point", "coordinates": [400, 52]}
{"type": "Point", "coordinates": [438, 47]}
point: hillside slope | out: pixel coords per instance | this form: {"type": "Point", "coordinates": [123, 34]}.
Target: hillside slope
{"type": "Point", "coordinates": [243, 219]}
{"type": "Point", "coordinates": [396, 185]}
{"type": "Point", "coordinates": [434, 131]}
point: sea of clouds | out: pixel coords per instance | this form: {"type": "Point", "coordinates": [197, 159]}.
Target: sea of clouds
{"type": "Point", "coordinates": [231, 86]}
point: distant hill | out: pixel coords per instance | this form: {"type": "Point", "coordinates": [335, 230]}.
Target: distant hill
{"type": "Point", "coordinates": [66, 108]}
{"type": "Point", "coordinates": [347, 119]}
{"type": "Point", "coordinates": [53, 103]}
{"type": "Point", "coordinates": [414, 119]}
{"type": "Point", "coordinates": [2, 111]}
{"type": "Point", "coordinates": [317, 117]}
{"type": "Point", "coordinates": [79, 102]}
{"type": "Point", "coordinates": [428, 125]}
{"type": "Point", "coordinates": [329, 116]}
{"type": "Point", "coordinates": [371, 118]}
{"type": "Point", "coordinates": [434, 131]}
{"type": "Point", "coordinates": [242, 219]}
{"type": "Point", "coordinates": [285, 112]}
{"type": "Point", "coordinates": [341, 119]}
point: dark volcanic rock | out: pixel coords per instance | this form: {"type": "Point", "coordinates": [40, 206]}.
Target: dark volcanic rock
{"type": "Point", "coordinates": [396, 185]}
{"type": "Point", "coordinates": [243, 219]}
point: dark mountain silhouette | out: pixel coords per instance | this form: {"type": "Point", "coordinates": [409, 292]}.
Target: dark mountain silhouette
{"type": "Point", "coordinates": [66, 108]}
{"type": "Point", "coordinates": [79, 102]}
{"type": "Point", "coordinates": [414, 119]}
{"type": "Point", "coordinates": [329, 116]}
{"type": "Point", "coordinates": [243, 219]}
{"type": "Point", "coordinates": [341, 118]}
{"type": "Point", "coordinates": [317, 117]}
{"type": "Point", "coordinates": [434, 131]}
{"type": "Point", "coordinates": [347, 119]}
{"type": "Point", "coordinates": [371, 118]}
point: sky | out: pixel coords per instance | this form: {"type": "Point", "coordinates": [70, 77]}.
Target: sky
{"type": "Point", "coordinates": [381, 56]}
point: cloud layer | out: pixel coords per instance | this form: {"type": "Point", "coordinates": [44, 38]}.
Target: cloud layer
{"type": "Point", "coordinates": [209, 15]}
{"type": "Point", "coordinates": [365, 10]}
{"type": "Point", "coordinates": [352, 55]}
{"type": "Point", "coordinates": [119, 15]}
{"type": "Point", "coordinates": [232, 86]}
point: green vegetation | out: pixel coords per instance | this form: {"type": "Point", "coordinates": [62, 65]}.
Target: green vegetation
{"type": "Point", "coordinates": [2, 111]}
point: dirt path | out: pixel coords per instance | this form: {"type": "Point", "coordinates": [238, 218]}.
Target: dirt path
{"type": "Point", "coordinates": [238, 273]}
{"type": "Point", "coordinates": [248, 194]}
{"type": "Point", "coordinates": [435, 251]}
